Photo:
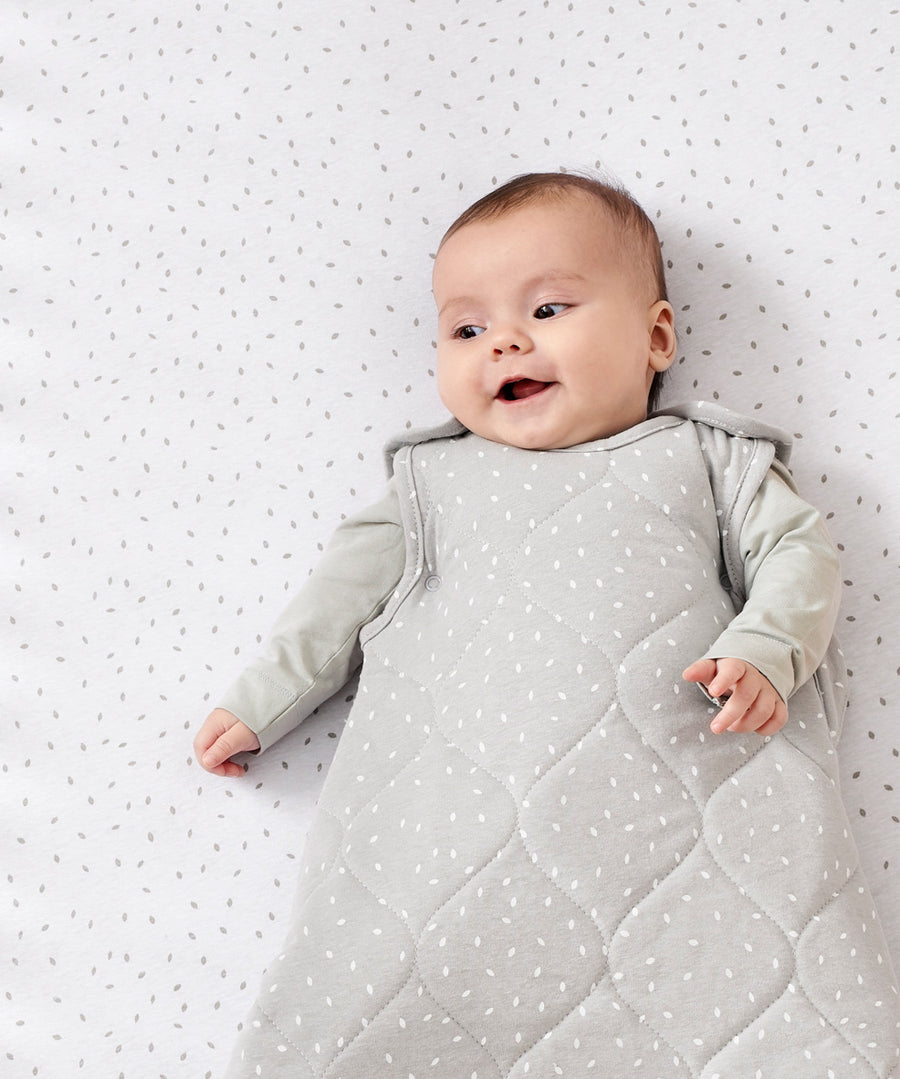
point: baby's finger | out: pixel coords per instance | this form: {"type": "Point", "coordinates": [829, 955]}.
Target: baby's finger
{"type": "Point", "coordinates": [227, 769]}
{"type": "Point", "coordinates": [701, 670]}
{"type": "Point", "coordinates": [729, 673]}
{"type": "Point", "coordinates": [736, 711]}
{"type": "Point", "coordinates": [216, 758]}
{"type": "Point", "coordinates": [203, 739]}
{"type": "Point", "coordinates": [765, 716]}
{"type": "Point", "coordinates": [212, 728]}
{"type": "Point", "coordinates": [774, 719]}
{"type": "Point", "coordinates": [729, 717]}
{"type": "Point", "coordinates": [218, 752]}
{"type": "Point", "coordinates": [751, 719]}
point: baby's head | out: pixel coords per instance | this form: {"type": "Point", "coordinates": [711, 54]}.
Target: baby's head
{"type": "Point", "coordinates": [553, 323]}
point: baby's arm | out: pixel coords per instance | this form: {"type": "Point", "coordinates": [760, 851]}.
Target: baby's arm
{"type": "Point", "coordinates": [221, 736]}
{"type": "Point", "coordinates": [314, 645]}
{"type": "Point", "coordinates": [780, 636]}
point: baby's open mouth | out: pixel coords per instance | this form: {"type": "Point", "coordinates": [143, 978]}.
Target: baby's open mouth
{"type": "Point", "coordinates": [520, 388]}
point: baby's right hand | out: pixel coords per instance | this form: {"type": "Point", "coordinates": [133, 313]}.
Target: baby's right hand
{"type": "Point", "coordinates": [221, 736]}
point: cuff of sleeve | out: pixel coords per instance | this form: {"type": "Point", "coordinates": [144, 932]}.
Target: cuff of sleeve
{"type": "Point", "coordinates": [771, 657]}
{"type": "Point", "coordinates": [253, 696]}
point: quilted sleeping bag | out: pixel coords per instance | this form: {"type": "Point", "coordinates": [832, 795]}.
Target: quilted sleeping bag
{"type": "Point", "coordinates": [531, 857]}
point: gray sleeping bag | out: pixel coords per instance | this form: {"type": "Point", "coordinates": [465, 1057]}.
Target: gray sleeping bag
{"type": "Point", "coordinates": [531, 857]}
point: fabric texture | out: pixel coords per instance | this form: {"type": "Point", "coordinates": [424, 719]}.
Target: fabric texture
{"type": "Point", "coordinates": [530, 856]}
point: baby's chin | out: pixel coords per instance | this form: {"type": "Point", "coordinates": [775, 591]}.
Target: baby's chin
{"type": "Point", "coordinates": [536, 421]}
{"type": "Point", "coordinates": [547, 441]}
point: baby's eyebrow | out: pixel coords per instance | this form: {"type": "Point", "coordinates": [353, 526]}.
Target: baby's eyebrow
{"type": "Point", "coordinates": [552, 277]}
{"type": "Point", "coordinates": [457, 301]}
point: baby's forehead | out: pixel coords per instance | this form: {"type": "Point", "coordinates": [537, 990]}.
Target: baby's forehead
{"type": "Point", "coordinates": [600, 235]}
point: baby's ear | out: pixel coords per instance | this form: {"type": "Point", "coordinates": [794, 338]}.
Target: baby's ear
{"type": "Point", "coordinates": [661, 324]}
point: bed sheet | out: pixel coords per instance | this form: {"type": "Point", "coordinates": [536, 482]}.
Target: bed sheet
{"type": "Point", "coordinates": [217, 229]}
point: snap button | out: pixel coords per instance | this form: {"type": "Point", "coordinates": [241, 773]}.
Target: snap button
{"type": "Point", "coordinates": [433, 583]}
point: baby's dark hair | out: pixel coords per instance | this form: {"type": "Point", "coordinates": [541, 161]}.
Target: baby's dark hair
{"type": "Point", "coordinates": [635, 227]}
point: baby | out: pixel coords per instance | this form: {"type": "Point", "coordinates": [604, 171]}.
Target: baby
{"type": "Point", "coordinates": [554, 330]}
{"type": "Point", "coordinates": [525, 798]}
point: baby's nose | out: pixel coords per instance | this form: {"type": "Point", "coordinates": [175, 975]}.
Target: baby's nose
{"type": "Point", "coordinates": [510, 347]}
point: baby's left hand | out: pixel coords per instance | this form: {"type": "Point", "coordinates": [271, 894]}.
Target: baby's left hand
{"type": "Point", "coordinates": [753, 702]}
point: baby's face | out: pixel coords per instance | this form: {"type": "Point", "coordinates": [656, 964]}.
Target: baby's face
{"type": "Point", "coordinates": [546, 338]}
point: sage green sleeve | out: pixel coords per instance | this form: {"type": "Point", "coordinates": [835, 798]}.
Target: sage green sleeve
{"type": "Point", "coordinates": [793, 585]}
{"type": "Point", "coordinates": [313, 647]}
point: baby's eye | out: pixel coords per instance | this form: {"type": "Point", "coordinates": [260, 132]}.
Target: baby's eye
{"type": "Point", "coordinates": [548, 310]}
{"type": "Point", "coordinates": [466, 333]}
